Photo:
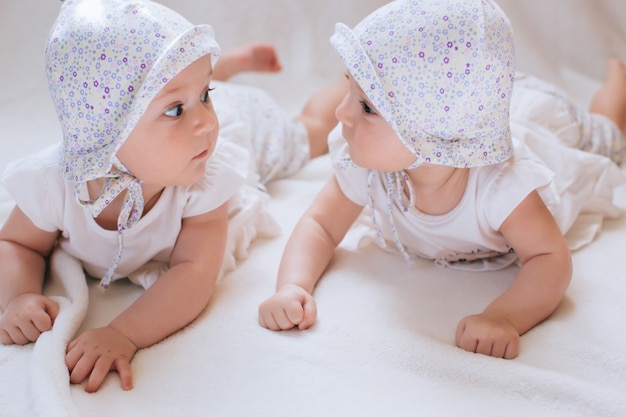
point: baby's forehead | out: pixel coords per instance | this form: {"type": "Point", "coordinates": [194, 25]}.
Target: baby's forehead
{"type": "Point", "coordinates": [197, 74]}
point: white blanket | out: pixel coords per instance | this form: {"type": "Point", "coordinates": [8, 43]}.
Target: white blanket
{"type": "Point", "coordinates": [384, 341]}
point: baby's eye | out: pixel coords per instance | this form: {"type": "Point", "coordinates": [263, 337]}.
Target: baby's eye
{"type": "Point", "coordinates": [205, 96]}
{"type": "Point", "coordinates": [366, 108]}
{"type": "Point", "coordinates": [174, 111]}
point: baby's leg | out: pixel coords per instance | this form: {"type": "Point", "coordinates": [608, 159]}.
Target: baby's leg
{"type": "Point", "coordinates": [281, 143]}
{"type": "Point", "coordinates": [597, 129]}
{"type": "Point", "coordinates": [255, 57]}
{"type": "Point", "coordinates": [610, 100]}
{"type": "Point", "coordinates": [318, 115]}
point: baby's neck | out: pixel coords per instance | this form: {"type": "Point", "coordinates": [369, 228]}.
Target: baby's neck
{"type": "Point", "coordinates": [438, 189]}
{"type": "Point", "coordinates": [107, 219]}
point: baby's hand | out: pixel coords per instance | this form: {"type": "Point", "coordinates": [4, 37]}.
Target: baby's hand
{"type": "Point", "coordinates": [291, 306]}
{"type": "Point", "coordinates": [96, 352]}
{"type": "Point", "coordinates": [490, 335]}
{"type": "Point", "coordinates": [26, 317]}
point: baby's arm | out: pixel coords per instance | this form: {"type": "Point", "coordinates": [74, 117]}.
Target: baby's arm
{"type": "Point", "coordinates": [536, 291]}
{"type": "Point", "coordinates": [172, 302]}
{"type": "Point", "coordinates": [23, 252]}
{"type": "Point", "coordinates": [309, 250]}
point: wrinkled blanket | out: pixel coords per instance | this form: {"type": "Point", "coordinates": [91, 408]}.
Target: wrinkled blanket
{"type": "Point", "coordinates": [384, 341]}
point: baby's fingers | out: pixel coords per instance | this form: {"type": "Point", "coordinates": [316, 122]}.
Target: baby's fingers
{"type": "Point", "coordinates": [43, 322]}
{"type": "Point", "coordinates": [52, 308]}
{"type": "Point", "coordinates": [464, 340]}
{"type": "Point", "coordinates": [31, 329]}
{"type": "Point", "coordinates": [123, 369]}
{"type": "Point", "coordinates": [99, 371]}
{"type": "Point", "coordinates": [13, 335]}
{"type": "Point", "coordinates": [287, 318]}
{"type": "Point", "coordinates": [267, 317]}
{"type": "Point", "coordinates": [508, 350]}
{"type": "Point", "coordinates": [498, 349]}
{"type": "Point", "coordinates": [267, 320]}
{"type": "Point", "coordinates": [310, 314]}
{"type": "Point", "coordinates": [5, 337]}
{"type": "Point", "coordinates": [79, 365]}
{"type": "Point", "coordinates": [488, 336]}
{"type": "Point", "coordinates": [294, 312]}
{"type": "Point", "coordinates": [275, 312]}
{"type": "Point", "coordinates": [290, 307]}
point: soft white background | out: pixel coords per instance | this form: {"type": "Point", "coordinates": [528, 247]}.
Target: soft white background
{"type": "Point", "coordinates": [384, 341]}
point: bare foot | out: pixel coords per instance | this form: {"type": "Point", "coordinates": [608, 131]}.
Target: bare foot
{"type": "Point", "coordinates": [610, 100]}
{"type": "Point", "coordinates": [256, 57]}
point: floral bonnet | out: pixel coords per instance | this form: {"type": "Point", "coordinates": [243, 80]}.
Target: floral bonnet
{"type": "Point", "coordinates": [440, 72]}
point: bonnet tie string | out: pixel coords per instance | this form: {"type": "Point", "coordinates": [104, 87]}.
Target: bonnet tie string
{"type": "Point", "coordinates": [115, 183]}
{"type": "Point", "coordinates": [394, 186]}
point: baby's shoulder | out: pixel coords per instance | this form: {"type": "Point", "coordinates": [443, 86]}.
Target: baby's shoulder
{"type": "Point", "coordinates": [226, 172]}
{"type": "Point", "coordinates": [37, 186]}
{"type": "Point", "coordinates": [44, 165]}
{"type": "Point", "coordinates": [521, 172]}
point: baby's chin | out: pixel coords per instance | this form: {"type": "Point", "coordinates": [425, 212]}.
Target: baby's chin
{"type": "Point", "coordinates": [378, 166]}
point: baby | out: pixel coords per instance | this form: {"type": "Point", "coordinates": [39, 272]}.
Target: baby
{"type": "Point", "coordinates": [148, 178]}
{"type": "Point", "coordinates": [454, 164]}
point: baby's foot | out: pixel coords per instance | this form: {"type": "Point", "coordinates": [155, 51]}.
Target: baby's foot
{"type": "Point", "coordinates": [610, 100]}
{"type": "Point", "coordinates": [260, 57]}
{"type": "Point", "coordinates": [256, 57]}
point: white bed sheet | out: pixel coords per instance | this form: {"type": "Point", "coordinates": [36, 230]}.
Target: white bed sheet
{"type": "Point", "coordinates": [384, 341]}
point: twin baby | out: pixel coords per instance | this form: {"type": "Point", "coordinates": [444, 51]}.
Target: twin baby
{"type": "Point", "coordinates": [159, 155]}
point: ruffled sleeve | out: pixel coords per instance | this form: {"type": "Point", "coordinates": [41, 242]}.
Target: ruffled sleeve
{"type": "Point", "coordinates": [513, 182]}
{"type": "Point", "coordinates": [581, 193]}
{"type": "Point", "coordinates": [226, 172]}
{"type": "Point", "coordinates": [36, 185]}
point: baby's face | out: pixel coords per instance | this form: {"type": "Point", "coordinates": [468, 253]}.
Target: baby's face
{"type": "Point", "coordinates": [177, 134]}
{"type": "Point", "coordinates": [373, 143]}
